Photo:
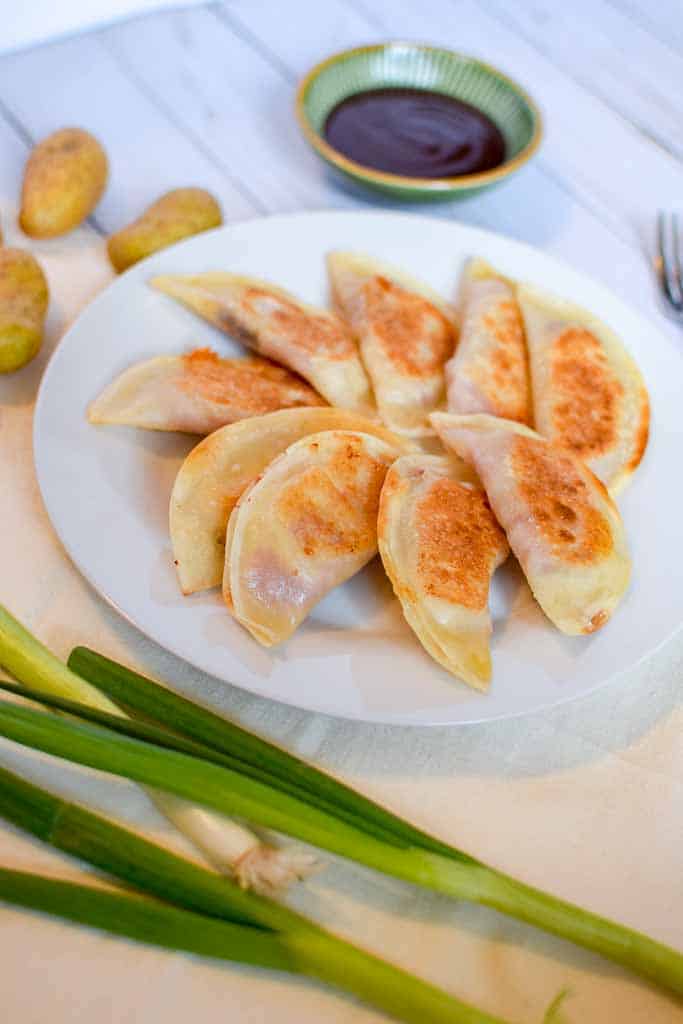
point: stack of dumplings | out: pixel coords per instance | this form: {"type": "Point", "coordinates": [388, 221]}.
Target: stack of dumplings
{"type": "Point", "coordinates": [445, 436]}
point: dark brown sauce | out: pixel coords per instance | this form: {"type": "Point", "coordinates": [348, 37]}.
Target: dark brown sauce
{"type": "Point", "coordinates": [414, 133]}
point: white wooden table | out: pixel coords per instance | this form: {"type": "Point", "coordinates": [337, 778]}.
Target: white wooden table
{"type": "Point", "coordinates": [586, 800]}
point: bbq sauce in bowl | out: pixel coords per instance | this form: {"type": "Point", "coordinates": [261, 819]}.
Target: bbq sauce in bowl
{"type": "Point", "coordinates": [414, 133]}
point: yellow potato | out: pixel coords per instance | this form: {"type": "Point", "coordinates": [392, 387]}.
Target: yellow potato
{"type": "Point", "coordinates": [176, 215]}
{"type": "Point", "coordinates": [23, 305]}
{"type": "Point", "coordinates": [64, 179]}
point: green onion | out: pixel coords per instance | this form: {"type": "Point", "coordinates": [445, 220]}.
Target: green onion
{"type": "Point", "coordinates": [144, 730]}
{"type": "Point", "coordinates": [90, 837]}
{"type": "Point", "coordinates": [229, 792]}
{"type": "Point", "coordinates": [139, 730]}
{"type": "Point", "coordinates": [222, 789]}
{"type": "Point", "coordinates": [228, 845]}
{"type": "Point", "coordinates": [146, 697]}
{"type": "Point", "coordinates": [300, 946]}
{"type": "Point", "coordinates": [146, 920]}
{"type": "Point", "coordinates": [28, 660]}
{"type": "Point", "coordinates": [377, 983]}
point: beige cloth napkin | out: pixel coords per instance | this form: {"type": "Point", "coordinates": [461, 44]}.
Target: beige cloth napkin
{"type": "Point", "coordinates": [585, 800]}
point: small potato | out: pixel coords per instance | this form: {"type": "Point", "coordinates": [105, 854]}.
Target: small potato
{"type": "Point", "coordinates": [23, 305]}
{"type": "Point", "coordinates": [176, 215]}
{"type": "Point", "coordinates": [64, 179]}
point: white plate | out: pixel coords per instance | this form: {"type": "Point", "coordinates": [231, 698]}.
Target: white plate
{"type": "Point", "coordinates": [106, 490]}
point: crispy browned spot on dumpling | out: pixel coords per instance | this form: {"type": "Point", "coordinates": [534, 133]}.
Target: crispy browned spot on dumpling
{"type": "Point", "coordinates": [322, 514]}
{"type": "Point", "coordinates": [311, 341]}
{"type": "Point", "coordinates": [313, 333]}
{"type": "Point", "coordinates": [560, 521]}
{"type": "Point", "coordinates": [585, 411]}
{"type": "Point", "coordinates": [197, 393]}
{"type": "Point", "coordinates": [458, 539]}
{"type": "Point", "coordinates": [588, 393]}
{"type": "Point", "coordinates": [440, 545]}
{"type": "Point", "coordinates": [561, 502]}
{"type": "Point", "coordinates": [306, 525]}
{"type": "Point", "coordinates": [256, 386]}
{"type": "Point", "coordinates": [222, 466]}
{"type": "Point", "coordinates": [489, 371]}
{"type": "Point", "coordinates": [410, 331]}
{"type": "Point", "coordinates": [405, 332]}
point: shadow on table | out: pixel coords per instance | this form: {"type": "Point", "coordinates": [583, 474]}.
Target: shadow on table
{"type": "Point", "coordinates": [591, 729]}
{"type": "Point", "coordinates": [346, 886]}
{"type": "Point", "coordinates": [511, 207]}
{"type": "Point", "coordinates": [585, 731]}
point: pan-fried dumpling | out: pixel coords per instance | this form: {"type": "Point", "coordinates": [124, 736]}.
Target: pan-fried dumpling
{"type": "Point", "coordinates": [440, 545]}
{"type": "Point", "coordinates": [198, 392]}
{"type": "Point", "coordinates": [306, 525]}
{"type": "Point", "coordinates": [311, 341]}
{"type": "Point", "coordinates": [489, 371]}
{"type": "Point", "coordinates": [215, 473]}
{"type": "Point", "coordinates": [560, 521]}
{"type": "Point", "coordinates": [406, 333]}
{"type": "Point", "coordinates": [588, 393]}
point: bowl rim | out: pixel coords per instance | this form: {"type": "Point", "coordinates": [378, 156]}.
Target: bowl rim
{"type": "Point", "coordinates": [358, 170]}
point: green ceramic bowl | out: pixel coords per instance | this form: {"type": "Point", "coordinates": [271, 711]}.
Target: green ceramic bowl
{"type": "Point", "coordinates": [415, 66]}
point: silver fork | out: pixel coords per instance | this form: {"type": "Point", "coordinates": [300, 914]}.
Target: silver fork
{"type": "Point", "coordinates": [668, 264]}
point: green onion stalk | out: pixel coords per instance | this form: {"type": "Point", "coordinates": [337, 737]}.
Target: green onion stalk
{"type": "Point", "coordinates": [330, 817]}
{"type": "Point", "coordinates": [228, 845]}
{"type": "Point", "coordinates": [285, 771]}
{"type": "Point", "coordinates": [211, 916]}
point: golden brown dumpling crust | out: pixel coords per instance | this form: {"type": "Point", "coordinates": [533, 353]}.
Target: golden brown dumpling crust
{"type": "Point", "coordinates": [308, 340]}
{"type": "Point", "coordinates": [322, 516]}
{"type": "Point", "coordinates": [642, 434]}
{"type": "Point", "coordinates": [440, 546]}
{"type": "Point", "coordinates": [326, 335]}
{"type": "Point", "coordinates": [198, 393]}
{"type": "Point", "coordinates": [255, 385]}
{"type": "Point", "coordinates": [559, 502]}
{"type": "Point", "coordinates": [326, 512]}
{"type": "Point", "coordinates": [587, 394]}
{"type": "Point", "coordinates": [301, 530]}
{"type": "Point", "coordinates": [489, 371]}
{"type": "Point", "coordinates": [458, 541]}
{"type": "Point", "coordinates": [222, 466]}
{"type": "Point", "coordinates": [504, 379]}
{"type": "Point", "coordinates": [559, 518]}
{"type": "Point", "coordinates": [398, 318]}
{"type": "Point", "coordinates": [405, 332]}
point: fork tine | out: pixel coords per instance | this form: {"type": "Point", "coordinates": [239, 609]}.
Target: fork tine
{"type": "Point", "coordinates": [660, 262]}
{"type": "Point", "coordinates": [676, 255]}
{"type": "Point", "coordinates": [669, 274]}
